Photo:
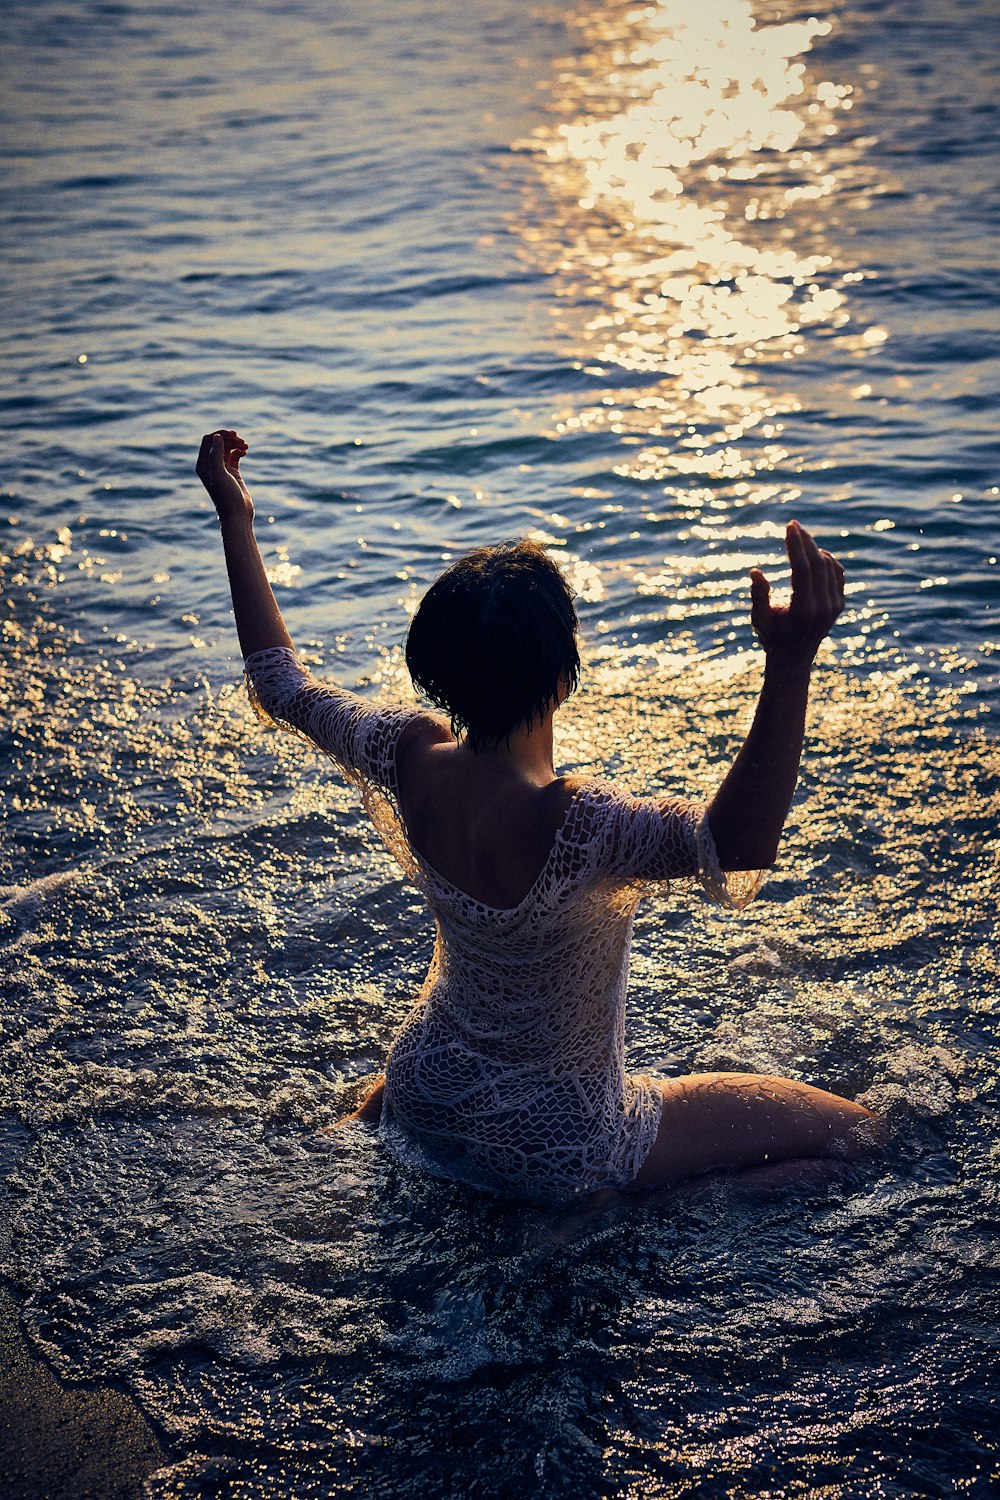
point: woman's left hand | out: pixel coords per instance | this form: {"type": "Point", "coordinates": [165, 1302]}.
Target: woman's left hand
{"type": "Point", "coordinates": [793, 631]}
{"type": "Point", "coordinates": [218, 468]}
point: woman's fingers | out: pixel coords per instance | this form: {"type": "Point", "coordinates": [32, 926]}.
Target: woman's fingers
{"type": "Point", "coordinates": [834, 583]}
{"type": "Point", "coordinates": [838, 572]}
{"type": "Point", "coordinates": [218, 456]}
{"type": "Point", "coordinates": [760, 600]}
{"type": "Point", "coordinates": [203, 468]}
{"type": "Point", "coordinates": [218, 469]}
{"type": "Point", "coordinates": [813, 555]}
{"type": "Point", "coordinates": [220, 452]}
{"type": "Point", "coordinates": [820, 578]}
{"type": "Point", "coordinates": [230, 438]}
{"type": "Point", "coordinates": [797, 545]}
{"type": "Point", "coordinates": [830, 584]}
{"type": "Point", "coordinates": [817, 597]}
{"type": "Point", "coordinates": [817, 579]}
{"type": "Point", "coordinates": [234, 447]}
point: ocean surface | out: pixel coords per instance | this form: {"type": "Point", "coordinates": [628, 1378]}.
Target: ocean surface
{"type": "Point", "coordinates": [644, 281]}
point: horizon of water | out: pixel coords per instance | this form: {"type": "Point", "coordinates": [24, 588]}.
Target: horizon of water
{"type": "Point", "coordinates": [643, 281]}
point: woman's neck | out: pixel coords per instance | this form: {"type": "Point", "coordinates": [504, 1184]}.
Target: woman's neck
{"type": "Point", "coordinates": [526, 755]}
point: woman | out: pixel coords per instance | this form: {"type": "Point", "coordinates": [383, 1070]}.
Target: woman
{"type": "Point", "coordinates": [508, 1072]}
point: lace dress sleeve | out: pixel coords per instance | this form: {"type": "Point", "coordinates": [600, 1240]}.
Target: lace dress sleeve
{"type": "Point", "coordinates": [360, 737]}
{"type": "Point", "coordinates": [661, 838]}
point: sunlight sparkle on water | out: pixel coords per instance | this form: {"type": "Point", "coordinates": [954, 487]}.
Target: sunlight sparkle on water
{"type": "Point", "coordinates": [692, 168]}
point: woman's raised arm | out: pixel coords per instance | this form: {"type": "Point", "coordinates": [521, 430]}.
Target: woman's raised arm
{"type": "Point", "coordinates": [258, 618]}
{"type": "Point", "coordinates": [360, 736]}
{"type": "Point", "coordinates": [748, 812]}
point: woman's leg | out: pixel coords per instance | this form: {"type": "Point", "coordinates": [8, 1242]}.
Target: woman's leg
{"type": "Point", "coordinates": [370, 1108]}
{"type": "Point", "coordinates": [712, 1121]}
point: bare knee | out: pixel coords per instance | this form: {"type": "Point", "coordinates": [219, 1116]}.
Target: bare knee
{"type": "Point", "coordinates": [713, 1121]}
{"type": "Point", "coordinates": [867, 1133]}
{"type": "Point", "coordinates": [814, 1122]}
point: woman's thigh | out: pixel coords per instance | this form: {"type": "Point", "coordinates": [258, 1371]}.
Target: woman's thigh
{"type": "Point", "coordinates": [712, 1121]}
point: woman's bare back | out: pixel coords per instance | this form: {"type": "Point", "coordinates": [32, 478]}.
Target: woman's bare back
{"type": "Point", "coordinates": [481, 821]}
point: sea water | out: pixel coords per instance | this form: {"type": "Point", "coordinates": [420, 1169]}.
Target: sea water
{"type": "Point", "coordinates": [641, 280]}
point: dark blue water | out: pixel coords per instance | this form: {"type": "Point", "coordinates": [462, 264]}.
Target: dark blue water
{"type": "Point", "coordinates": [645, 282]}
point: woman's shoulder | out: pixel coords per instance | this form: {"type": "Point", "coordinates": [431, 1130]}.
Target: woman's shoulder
{"type": "Point", "coordinates": [594, 791]}
{"type": "Point", "coordinates": [422, 731]}
{"type": "Point", "coordinates": [591, 806]}
{"type": "Point", "coordinates": [601, 809]}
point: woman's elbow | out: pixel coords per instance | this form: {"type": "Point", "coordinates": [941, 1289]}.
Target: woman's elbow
{"type": "Point", "coordinates": [739, 844]}
{"type": "Point", "coordinates": [743, 856]}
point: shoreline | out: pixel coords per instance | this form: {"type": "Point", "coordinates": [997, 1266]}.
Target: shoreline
{"type": "Point", "coordinates": [66, 1441]}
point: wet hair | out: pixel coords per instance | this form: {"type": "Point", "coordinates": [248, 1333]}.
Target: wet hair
{"type": "Point", "coordinates": [493, 641]}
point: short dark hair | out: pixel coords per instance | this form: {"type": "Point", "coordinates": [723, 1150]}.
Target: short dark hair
{"type": "Point", "coordinates": [494, 640]}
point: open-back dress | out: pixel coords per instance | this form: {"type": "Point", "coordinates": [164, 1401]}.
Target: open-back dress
{"type": "Point", "coordinates": [509, 1072]}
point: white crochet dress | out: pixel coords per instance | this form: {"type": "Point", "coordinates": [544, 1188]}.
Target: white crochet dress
{"type": "Point", "coordinates": [508, 1073]}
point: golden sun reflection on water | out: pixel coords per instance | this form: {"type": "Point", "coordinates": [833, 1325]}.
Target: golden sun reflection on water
{"type": "Point", "coordinates": [693, 172]}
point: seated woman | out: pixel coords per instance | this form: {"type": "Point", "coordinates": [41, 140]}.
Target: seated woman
{"type": "Point", "coordinates": [508, 1073]}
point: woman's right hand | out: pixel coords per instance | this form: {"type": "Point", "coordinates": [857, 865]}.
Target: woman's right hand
{"type": "Point", "coordinates": [794, 631]}
{"type": "Point", "coordinates": [218, 468]}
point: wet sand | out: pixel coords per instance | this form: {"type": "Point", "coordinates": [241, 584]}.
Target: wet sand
{"type": "Point", "coordinates": [60, 1442]}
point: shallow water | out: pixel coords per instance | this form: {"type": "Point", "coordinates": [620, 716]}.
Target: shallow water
{"type": "Point", "coordinates": [461, 273]}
